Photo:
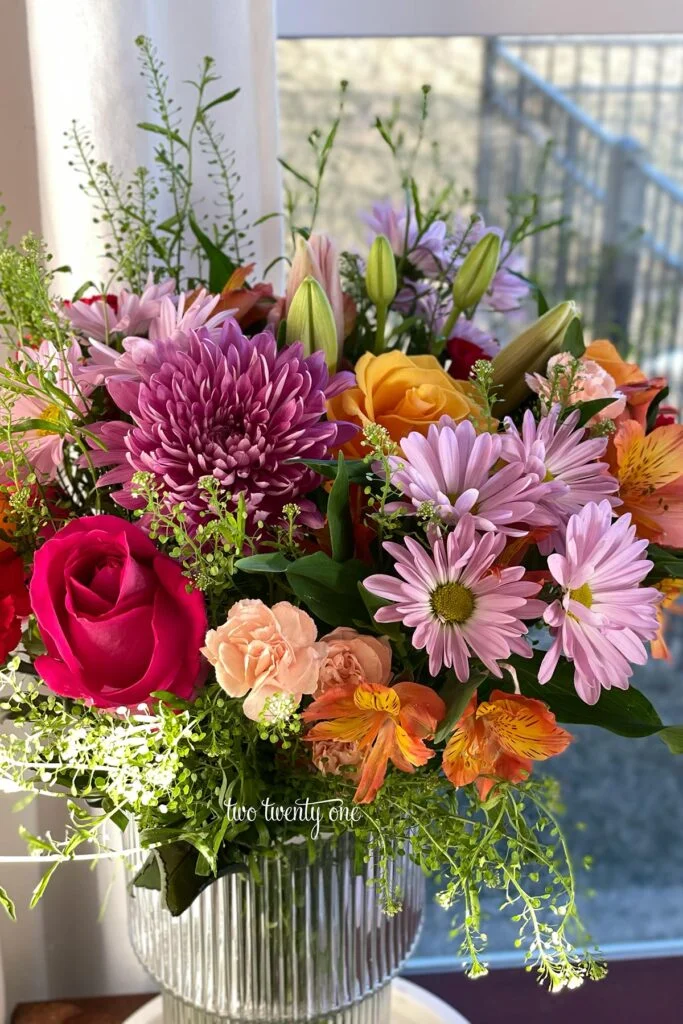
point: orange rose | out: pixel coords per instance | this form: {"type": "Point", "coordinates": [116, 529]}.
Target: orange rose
{"type": "Point", "coordinates": [402, 393]}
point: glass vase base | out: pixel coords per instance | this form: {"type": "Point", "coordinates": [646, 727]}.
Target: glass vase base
{"type": "Point", "coordinates": [372, 1009]}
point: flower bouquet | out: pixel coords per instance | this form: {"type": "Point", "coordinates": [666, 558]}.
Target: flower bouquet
{"type": "Point", "coordinates": [296, 589]}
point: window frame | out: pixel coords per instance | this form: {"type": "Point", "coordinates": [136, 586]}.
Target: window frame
{"type": "Point", "coordinates": [370, 18]}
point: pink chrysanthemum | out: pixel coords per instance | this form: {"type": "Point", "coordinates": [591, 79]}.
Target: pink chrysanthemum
{"type": "Point", "coordinates": [456, 603]}
{"type": "Point", "coordinates": [452, 468]}
{"type": "Point", "coordinates": [604, 616]}
{"type": "Point", "coordinates": [235, 409]}
{"type": "Point", "coordinates": [561, 452]}
{"type": "Point", "coordinates": [43, 449]}
{"type": "Point", "coordinates": [100, 316]}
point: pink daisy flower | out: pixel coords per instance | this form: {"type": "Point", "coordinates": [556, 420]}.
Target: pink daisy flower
{"type": "Point", "coordinates": [457, 604]}
{"type": "Point", "coordinates": [603, 616]}
{"type": "Point", "coordinates": [560, 452]}
{"type": "Point", "coordinates": [100, 316]}
{"type": "Point", "coordinates": [172, 323]}
{"type": "Point", "coordinates": [44, 449]}
{"type": "Point", "coordinates": [453, 469]}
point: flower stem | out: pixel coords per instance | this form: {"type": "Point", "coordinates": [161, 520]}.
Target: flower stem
{"type": "Point", "coordinates": [450, 323]}
{"type": "Point", "coordinates": [381, 326]}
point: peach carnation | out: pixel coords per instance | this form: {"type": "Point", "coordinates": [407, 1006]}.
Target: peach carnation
{"type": "Point", "coordinates": [336, 757]}
{"type": "Point", "coordinates": [262, 651]}
{"type": "Point", "coordinates": [354, 658]}
{"type": "Point", "coordinates": [590, 381]}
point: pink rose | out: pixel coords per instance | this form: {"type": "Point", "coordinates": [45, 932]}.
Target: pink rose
{"type": "Point", "coordinates": [354, 658]}
{"type": "Point", "coordinates": [261, 651]}
{"type": "Point", "coordinates": [588, 383]}
{"type": "Point", "coordinates": [115, 615]}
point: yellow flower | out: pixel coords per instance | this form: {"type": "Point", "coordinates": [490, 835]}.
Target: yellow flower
{"type": "Point", "coordinates": [402, 393]}
{"type": "Point", "coordinates": [672, 589]}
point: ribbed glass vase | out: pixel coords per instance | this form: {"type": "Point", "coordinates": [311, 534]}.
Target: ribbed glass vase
{"type": "Point", "coordinates": [291, 942]}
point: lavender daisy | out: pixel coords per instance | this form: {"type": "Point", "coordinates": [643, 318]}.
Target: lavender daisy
{"type": "Point", "coordinates": [233, 408]}
{"type": "Point", "coordinates": [453, 470]}
{"type": "Point", "coordinates": [604, 615]}
{"type": "Point", "coordinates": [456, 603]}
{"type": "Point", "coordinates": [559, 451]}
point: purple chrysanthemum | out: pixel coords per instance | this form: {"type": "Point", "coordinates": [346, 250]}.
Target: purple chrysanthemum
{"type": "Point", "coordinates": [233, 408]}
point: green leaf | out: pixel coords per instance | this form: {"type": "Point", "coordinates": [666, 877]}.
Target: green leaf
{"type": "Point", "coordinates": [170, 223]}
{"type": "Point", "coordinates": [49, 426]}
{"type": "Point", "coordinates": [297, 174]}
{"type": "Point", "coordinates": [672, 735]}
{"type": "Point", "coordinates": [39, 891]}
{"type": "Point", "coordinates": [372, 604]}
{"type": "Point", "coordinates": [357, 470]}
{"type": "Point", "coordinates": [457, 696]}
{"type": "Point", "coordinates": [220, 99]}
{"type": "Point", "coordinates": [221, 267]}
{"type": "Point", "coordinates": [274, 561]}
{"type": "Point", "coordinates": [541, 302]}
{"type": "Point", "coordinates": [8, 904]}
{"type": "Point", "coordinates": [624, 712]}
{"type": "Point", "coordinates": [653, 409]}
{"type": "Point", "coordinates": [80, 292]}
{"type": "Point", "coordinates": [573, 339]}
{"type": "Point", "coordinates": [589, 409]}
{"type": "Point", "coordinates": [159, 129]}
{"type": "Point", "coordinates": [329, 589]}
{"type": "Point", "coordinates": [339, 515]}
{"type": "Point", "coordinates": [668, 565]}
{"type": "Point", "coordinates": [149, 875]}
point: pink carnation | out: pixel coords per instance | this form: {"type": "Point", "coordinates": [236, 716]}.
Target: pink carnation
{"type": "Point", "coordinates": [354, 658]}
{"type": "Point", "coordinates": [336, 757]}
{"type": "Point", "coordinates": [570, 385]}
{"type": "Point", "coordinates": [260, 651]}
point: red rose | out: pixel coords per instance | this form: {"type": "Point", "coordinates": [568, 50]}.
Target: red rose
{"type": "Point", "coordinates": [115, 615]}
{"type": "Point", "coordinates": [14, 603]}
{"type": "Point", "coordinates": [463, 354]}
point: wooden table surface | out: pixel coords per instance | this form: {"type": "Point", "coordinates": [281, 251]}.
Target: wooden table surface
{"type": "Point", "coordinates": [634, 992]}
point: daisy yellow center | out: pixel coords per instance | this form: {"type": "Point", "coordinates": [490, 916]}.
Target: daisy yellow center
{"type": "Point", "coordinates": [549, 477]}
{"type": "Point", "coordinates": [452, 602]}
{"type": "Point", "coordinates": [583, 595]}
{"type": "Point", "coordinates": [51, 414]}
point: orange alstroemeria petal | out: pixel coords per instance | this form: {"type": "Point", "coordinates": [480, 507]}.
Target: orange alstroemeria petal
{"type": "Point", "coordinates": [648, 462]}
{"type": "Point", "coordinates": [421, 708]}
{"type": "Point", "coordinates": [374, 698]}
{"type": "Point", "coordinates": [375, 766]}
{"type": "Point", "coordinates": [335, 702]}
{"type": "Point", "coordinates": [500, 739]}
{"type": "Point", "coordinates": [361, 729]}
{"type": "Point", "coordinates": [523, 727]}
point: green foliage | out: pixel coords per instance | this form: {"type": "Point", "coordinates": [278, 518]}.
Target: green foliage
{"type": "Point", "coordinates": [328, 589]}
{"type": "Point", "coordinates": [573, 339]}
{"type": "Point", "coordinates": [136, 242]}
{"type": "Point", "coordinates": [667, 564]}
{"type": "Point", "coordinates": [27, 311]}
{"type": "Point", "coordinates": [339, 514]}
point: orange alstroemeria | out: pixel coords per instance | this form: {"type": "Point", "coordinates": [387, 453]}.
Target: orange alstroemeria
{"type": "Point", "coordinates": [7, 525]}
{"type": "Point", "coordinates": [389, 723]}
{"type": "Point", "coordinates": [671, 605]}
{"type": "Point", "coordinates": [248, 305]}
{"type": "Point", "coordinates": [498, 739]}
{"type": "Point", "coordinates": [650, 473]}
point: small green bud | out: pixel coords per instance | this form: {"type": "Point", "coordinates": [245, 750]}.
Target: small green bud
{"type": "Point", "coordinates": [476, 272]}
{"type": "Point", "coordinates": [529, 352]}
{"type": "Point", "coordinates": [311, 321]}
{"type": "Point", "coordinates": [380, 275]}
